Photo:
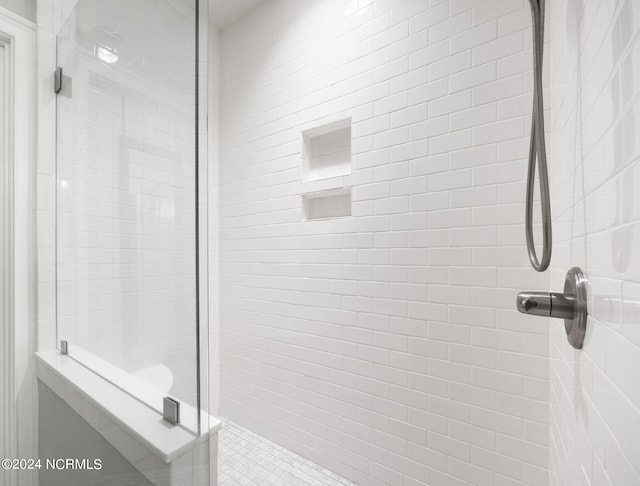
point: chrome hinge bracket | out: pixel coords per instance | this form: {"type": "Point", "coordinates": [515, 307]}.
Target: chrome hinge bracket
{"type": "Point", "coordinates": [171, 410]}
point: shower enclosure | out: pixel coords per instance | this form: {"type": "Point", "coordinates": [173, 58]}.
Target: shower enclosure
{"type": "Point", "coordinates": [357, 225]}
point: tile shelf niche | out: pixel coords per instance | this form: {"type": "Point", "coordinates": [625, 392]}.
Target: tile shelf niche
{"type": "Point", "coordinates": [326, 151]}
{"type": "Point", "coordinates": [326, 154]}
{"type": "Point", "coordinates": [334, 203]}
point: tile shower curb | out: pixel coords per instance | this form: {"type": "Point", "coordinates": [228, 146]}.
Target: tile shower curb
{"type": "Point", "coordinates": [134, 429]}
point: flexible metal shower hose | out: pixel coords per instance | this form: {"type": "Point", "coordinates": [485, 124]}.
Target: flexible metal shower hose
{"type": "Point", "coordinates": [537, 148]}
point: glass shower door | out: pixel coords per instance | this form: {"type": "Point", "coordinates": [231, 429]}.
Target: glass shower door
{"type": "Point", "coordinates": [127, 197]}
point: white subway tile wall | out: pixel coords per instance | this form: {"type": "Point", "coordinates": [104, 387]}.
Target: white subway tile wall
{"type": "Point", "coordinates": [594, 61]}
{"type": "Point", "coordinates": [385, 345]}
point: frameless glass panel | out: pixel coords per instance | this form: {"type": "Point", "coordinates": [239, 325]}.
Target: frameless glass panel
{"type": "Point", "coordinates": [127, 196]}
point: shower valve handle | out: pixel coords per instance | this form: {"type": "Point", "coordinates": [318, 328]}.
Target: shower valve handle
{"type": "Point", "coordinates": [547, 304]}
{"type": "Point", "coordinates": [570, 305]}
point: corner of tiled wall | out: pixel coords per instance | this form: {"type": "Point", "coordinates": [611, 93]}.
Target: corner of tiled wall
{"type": "Point", "coordinates": [594, 64]}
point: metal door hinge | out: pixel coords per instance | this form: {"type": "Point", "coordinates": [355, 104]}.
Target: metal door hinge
{"type": "Point", "coordinates": [57, 80]}
{"type": "Point", "coordinates": [61, 83]}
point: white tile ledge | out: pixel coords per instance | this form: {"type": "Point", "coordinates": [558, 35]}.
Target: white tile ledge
{"type": "Point", "coordinates": [87, 393]}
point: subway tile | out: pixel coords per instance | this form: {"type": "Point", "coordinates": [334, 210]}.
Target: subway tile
{"type": "Point", "coordinates": [465, 470]}
{"type": "Point", "coordinates": [390, 103]}
{"type": "Point", "coordinates": [448, 446]}
{"type": "Point", "coordinates": [473, 37]}
{"type": "Point", "coordinates": [428, 91]}
{"type": "Point", "coordinates": [475, 156]}
{"type": "Point", "coordinates": [498, 132]}
{"type": "Point", "coordinates": [450, 27]}
{"type": "Point", "coordinates": [428, 55]}
{"type": "Point", "coordinates": [498, 463]}
{"type": "Point", "coordinates": [520, 449]}
{"type": "Point", "coordinates": [473, 117]}
{"type": "Point", "coordinates": [450, 142]}
{"type": "Point", "coordinates": [498, 48]}
{"type": "Point", "coordinates": [391, 69]}
{"type": "Point", "coordinates": [434, 15]}
{"type": "Point", "coordinates": [450, 65]}
{"type": "Point", "coordinates": [470, 196]}
{"type": "Point", "coordinates": [391, 35]}
{"type": "Point", "coordinates": [407, 116]}
{"type": "Point", "coordinates": [498, 90]}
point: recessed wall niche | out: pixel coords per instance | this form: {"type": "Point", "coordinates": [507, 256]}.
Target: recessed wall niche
{"type": "Point", "coordinates": [334, 203]}
{"type": "Point", "coordinates": [326, 151]}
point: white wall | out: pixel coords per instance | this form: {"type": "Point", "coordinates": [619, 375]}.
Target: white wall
{"type": "Point", "coordinates": [385, 345]}
{"type": "Point", "coordinates": [595, 398]}
{"type": "Point", "coordinates": [24, 8]}
{"type": "Point", "coordinates": [79, 441]}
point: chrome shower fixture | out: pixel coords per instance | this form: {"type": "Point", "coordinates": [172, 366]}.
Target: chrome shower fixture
{"type": "Point", "coordinates": [570, 305]}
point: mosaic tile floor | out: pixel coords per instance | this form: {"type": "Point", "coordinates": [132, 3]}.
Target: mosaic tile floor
{"type": "Point", "coordinates": [247, 459]}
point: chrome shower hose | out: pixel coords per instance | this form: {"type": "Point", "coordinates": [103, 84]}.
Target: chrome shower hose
{"type": "Point", "coordinates": [537, 148]}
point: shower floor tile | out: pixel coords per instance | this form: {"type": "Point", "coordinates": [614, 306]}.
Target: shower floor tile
{"type": "Point", "coordinates": [247, 459]}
